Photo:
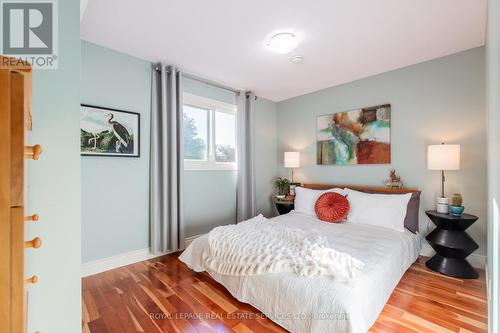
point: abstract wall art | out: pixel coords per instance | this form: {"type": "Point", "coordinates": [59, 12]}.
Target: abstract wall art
{"type": "Point", "coordinates": [361, 136]}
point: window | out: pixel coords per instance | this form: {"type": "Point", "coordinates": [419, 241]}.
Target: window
{"type": "Point", "coordinates": [209, 134]}
{"type": "Point", "coordinates": [196, 133]}
{"type": "Point", "coordinates": [225, 137]}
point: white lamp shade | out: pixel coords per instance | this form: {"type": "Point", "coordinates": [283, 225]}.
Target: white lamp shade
{"type": "Point", "coordinates": [443, 157]}
{"type": "Point", "coordinates": [292, 159]}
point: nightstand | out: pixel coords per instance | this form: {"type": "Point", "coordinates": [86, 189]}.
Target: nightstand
{"type": "Point", "coordinates": [283, 206]}
{"type": "Point", "coordinates": [452, 245]}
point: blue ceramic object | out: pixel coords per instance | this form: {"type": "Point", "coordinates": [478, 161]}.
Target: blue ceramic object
{"type": "Point", "coordinates": [456, 210]}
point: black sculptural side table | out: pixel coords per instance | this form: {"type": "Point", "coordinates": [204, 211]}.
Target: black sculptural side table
{"type": "Point", "coordinates": [452, 245]}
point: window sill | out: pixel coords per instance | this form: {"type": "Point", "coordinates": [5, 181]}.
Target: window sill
{"type": "Point", "coordinates": [209, 166]}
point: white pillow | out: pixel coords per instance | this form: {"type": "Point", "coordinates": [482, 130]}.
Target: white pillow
{"type": "Point", "coordinates": [383, 210]}
{"type": "Point", "coordinates": [305, 198]}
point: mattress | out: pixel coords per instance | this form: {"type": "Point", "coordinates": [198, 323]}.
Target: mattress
{"type": "Point", "coordinates": [319, 303]}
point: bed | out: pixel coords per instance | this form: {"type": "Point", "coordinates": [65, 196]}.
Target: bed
{"type": "Point", "coordinates": [318, 303]}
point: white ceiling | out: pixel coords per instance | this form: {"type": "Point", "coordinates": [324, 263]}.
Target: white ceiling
{"type": "Point", "coordinates": [342, 40]}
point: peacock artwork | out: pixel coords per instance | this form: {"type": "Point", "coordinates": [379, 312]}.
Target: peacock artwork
{"type": "Point", "coordinates": [360, 136]}
{"type": "Point", "coordinates": [108, 132]}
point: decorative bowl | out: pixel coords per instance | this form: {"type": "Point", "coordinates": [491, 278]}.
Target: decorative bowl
{"type": "Point", "coordinates": [457, 210]}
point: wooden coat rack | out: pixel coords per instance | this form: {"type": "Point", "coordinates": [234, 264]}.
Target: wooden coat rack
{"type": "Point", "coordinates": [15, 119]}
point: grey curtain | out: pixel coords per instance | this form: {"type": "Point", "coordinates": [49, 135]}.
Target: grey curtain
{"type": "Point", "coordinates": [246, 207]}
{"type": "Point", "coordinates": [167, 158]}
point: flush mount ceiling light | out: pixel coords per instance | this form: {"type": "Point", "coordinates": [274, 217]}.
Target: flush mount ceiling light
{"type": "Point", "coordinates": [283, 42]}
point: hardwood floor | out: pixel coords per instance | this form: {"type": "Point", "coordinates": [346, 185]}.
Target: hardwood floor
{"type": "Point", "coordinates": [121, 300]}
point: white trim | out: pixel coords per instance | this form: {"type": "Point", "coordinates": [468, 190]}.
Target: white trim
{"type": "Point", "coordinates": [488, 283]}
{"type": "Point", "coordinates": [476, 260]}
{"type": "Point", "coordinates": [207, 103]}
{"type": "Point", "coordinates": [189, 240]}
{"type": "Point", "coordinates": [124, 259]}
{"type": "Point", "coordinates": [192, 165]}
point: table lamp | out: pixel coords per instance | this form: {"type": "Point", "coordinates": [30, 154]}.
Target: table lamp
{"type": "Point", "coordinates": [443, 157]}
{"type": "Point", "coordinates": [292, 160]}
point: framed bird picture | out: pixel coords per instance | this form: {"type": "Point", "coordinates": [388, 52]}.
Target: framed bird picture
{"type": "Point", "coordinates": [109, 132]}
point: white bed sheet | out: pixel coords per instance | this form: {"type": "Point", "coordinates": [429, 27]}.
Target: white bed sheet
{"type": "Point", "coordinates": [320, 304]}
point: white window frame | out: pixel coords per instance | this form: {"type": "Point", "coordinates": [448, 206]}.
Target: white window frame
{"type": "Point", "coordinates": [213, 106]}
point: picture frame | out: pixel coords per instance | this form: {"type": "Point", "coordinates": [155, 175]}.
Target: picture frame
{"type": "Point", "coordinates": [109, 132]}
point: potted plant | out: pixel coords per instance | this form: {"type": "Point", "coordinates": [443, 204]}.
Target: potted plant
{"type": "Point", "coordinates": [282, 185]}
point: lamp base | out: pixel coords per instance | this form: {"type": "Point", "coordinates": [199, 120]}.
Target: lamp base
{"type": "Point", "coordinates": [442, 205]}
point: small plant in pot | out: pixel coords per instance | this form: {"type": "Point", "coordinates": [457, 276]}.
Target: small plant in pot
{"type": "Point", "coordinates": [282, 185]}
{"type": "Point", "coordinates": [456, 207]}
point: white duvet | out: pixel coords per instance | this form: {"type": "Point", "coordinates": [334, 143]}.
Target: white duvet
{"type": "Point", "coordinates": [318, 303]}
{"type": "Point", "coordinates": [257, 247]}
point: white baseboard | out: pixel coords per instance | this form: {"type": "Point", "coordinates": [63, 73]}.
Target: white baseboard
{"type": "Point", "coordinates": [124, 259]}
{"type": "Point", "coordinates": [189, 240]}
{"type": "Point", "coordinates": [476, 260]}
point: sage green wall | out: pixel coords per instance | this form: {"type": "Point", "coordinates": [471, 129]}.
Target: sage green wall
{"type": "Point", "coordinates": [115, 191]}
{"type": "Point", "coordinates": [209, 200]}
{"type": "Point", "coordinates": [266, 154]}
{"type": "Point", "coordinates": [493, 89]}
{"type": "Point", "coordinates": [208, 91]}
{"type": "Point", "coordinates": [435, 101]}
{"type": "Point", "coordinates": [54, 303]}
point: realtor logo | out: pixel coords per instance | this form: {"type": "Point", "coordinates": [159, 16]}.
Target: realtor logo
{"type": "Point", "coordinates": [29, 31]}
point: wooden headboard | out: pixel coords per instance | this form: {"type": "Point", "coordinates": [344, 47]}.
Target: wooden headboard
{"type": "Point", "coordinates": [360, 188]}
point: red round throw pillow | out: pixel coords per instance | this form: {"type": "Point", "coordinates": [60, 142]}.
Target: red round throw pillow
{"type": "Point", "coordinates": [332, 207]}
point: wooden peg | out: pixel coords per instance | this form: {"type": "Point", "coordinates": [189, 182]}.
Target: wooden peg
{"type": "Point", "coordinates": [34, 243]}
{"type": "Point", "coordinates": [32, 280]}
{"type": "Point", "coordinates": [32, 218]}
{"type": "Point", "coordinates": [32, 152]}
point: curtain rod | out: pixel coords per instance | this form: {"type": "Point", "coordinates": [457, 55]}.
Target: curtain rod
{"type": "Point", "coordinates": [211, 83]}
{"type": "Point", "coordinates": [202, 80]}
